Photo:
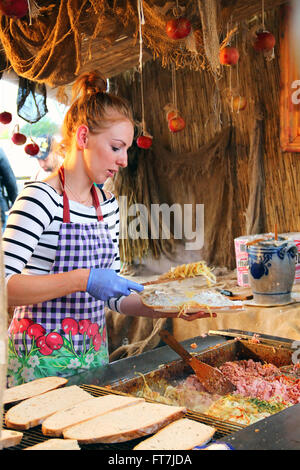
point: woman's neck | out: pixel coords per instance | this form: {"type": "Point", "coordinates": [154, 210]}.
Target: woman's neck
{"type": "Point", "coordinates": [77, 183]}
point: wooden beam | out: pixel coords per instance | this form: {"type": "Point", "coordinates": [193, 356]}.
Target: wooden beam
{"type": "Point", "coordinates": [241, 10]}
{"type": "Point", "coordinates": [120, 56]}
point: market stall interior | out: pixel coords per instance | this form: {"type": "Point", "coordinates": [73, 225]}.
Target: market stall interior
{"type": "Point", "coordinates": [209, 207]}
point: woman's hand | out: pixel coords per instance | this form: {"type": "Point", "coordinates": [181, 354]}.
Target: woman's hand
{"type": "Point", "coordinates": [132, 305]}
{"type": "Point", "coordinates": [105, 283]}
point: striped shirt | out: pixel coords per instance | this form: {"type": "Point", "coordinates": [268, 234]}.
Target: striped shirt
{"type": "Point", "coordinates": [31, 235]}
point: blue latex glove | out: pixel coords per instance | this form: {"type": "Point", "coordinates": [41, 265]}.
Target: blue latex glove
{"type": "Point", "coordinates": [105, 283]}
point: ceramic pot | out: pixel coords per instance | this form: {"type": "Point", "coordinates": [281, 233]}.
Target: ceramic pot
{"type": "Point", "coordinates": [272, 270]}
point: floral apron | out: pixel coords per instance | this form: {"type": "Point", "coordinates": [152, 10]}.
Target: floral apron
{"type": "Point", "coordinates": [66, 335]}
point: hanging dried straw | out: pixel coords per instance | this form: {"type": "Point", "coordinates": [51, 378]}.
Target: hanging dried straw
{"type": "Point", "coordinates": [47, 47]}
{"type": "Point", "coordinates": [138, 183]}
{"type": "Point", "coordinates": [208, 10]}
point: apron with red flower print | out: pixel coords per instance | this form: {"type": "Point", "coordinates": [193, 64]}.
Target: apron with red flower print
{"type": "Point", "coordinates": [66, 335]}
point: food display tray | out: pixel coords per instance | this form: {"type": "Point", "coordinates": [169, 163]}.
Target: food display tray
{"type": "Point", "coordinates": [232, 350]}
{"type": "Point", "coordinates": [277, 352]}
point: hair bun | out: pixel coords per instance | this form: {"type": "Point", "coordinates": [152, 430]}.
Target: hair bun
{"type": "Point", "coordinates": [88, 84]}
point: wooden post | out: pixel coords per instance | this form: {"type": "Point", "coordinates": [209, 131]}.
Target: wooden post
{"type": "Point", "coordinates": [3, 333]}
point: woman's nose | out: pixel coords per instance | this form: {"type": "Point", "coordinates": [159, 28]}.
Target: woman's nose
{"type": "Point", "coordinates": [122, 160]}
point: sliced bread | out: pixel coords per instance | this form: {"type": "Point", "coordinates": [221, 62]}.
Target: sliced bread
{"type": "Point", "coordinates": [183, 434]}
{"type": "Point", "coordinates": [9, 438]}
{"type": "Point", "coordinates": [31, 389]}
{"type": "Point", "coordinates": [60, 421]}
{"type": "Point", "coordinates": [56, 444]}
{"type": "Point", "coordinates": [217, 446]}
{"type": "Point", "coordinates": [125, 424]}
{"type": "Point", "coordinates": [34, 411]}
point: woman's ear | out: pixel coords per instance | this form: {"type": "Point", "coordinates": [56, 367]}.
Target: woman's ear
{"type": "Point", "coordinates": [82, 136]}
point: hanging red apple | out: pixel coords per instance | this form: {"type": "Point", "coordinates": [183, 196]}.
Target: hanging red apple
{"type": "Point", "coordinates": [239, 103]}
{"type": "Point", "coordinates": [171, 115]}
{"type": "Point", "coordinates": [5, 117]}
{"type": "Point", "coordinates": [32, 149]}
{"type": "Point", "coordinates": [144, 141]}
{"type": "Point", "coordinates": [14, 8]}
{"type": "Point", "coordinates": [229, 55]}
{"type": "Point", "coordinates": [178, 28]}
{"type": "Point", "coordinates": [265, 41]}
{"type": "Point", "coordinates": [17, 137]}
{"type": "Point", "coordinates": [176, 124]}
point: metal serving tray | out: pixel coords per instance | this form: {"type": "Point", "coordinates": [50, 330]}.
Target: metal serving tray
{"type": "Point", "coordinates": [232, 350]}
{"type": "Point", "coordinates": [279, 354]}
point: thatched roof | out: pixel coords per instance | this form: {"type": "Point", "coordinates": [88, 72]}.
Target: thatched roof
{"type": "Point", "coordinates": [123, 52]}
{"type": "Point", "coordinates": [66, 39]}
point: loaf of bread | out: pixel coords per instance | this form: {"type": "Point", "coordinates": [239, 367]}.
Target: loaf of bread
{"type": "Point", "coordinates": [9, 438]}
{"type": "Point", "coordinates": [34, 411]}
{"type": "Point", "coordinates": [56, 444]}
{"type": "Point", "coordinates": [31, 389]}
{"type": "Point", "coordinates": [125, 424]}
{"type": "Point", "coordinates": [183, 434]}
{"type": "Point", "coordinates": [60, 421]}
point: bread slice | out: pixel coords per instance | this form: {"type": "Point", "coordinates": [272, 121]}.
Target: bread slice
{"type": "Point", "coordinates": [9, 438]}
{"type": "Point", "coordinates": [34, 411]}
{"type": "Point", "coordinates": [56, 444]}
{"type": "Point", "coordinates": [125, 424]}
{"type": "Point", "coordinates": [183, 434]}
{"type": "Point", "coordinates": [217, 446]}
{"type": "Point", "coordinates": [60, 421]}
{"type": "Point", "coordinates": [31, 389]}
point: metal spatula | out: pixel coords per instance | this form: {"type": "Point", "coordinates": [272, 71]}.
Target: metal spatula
{"type": "Point", "coordinates": [211, 378]}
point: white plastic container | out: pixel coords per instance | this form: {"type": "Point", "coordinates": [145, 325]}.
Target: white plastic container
{"type": "Point", "coordinates": [241, 255]}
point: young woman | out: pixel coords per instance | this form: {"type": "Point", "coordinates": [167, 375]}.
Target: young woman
{"type": "Point", "coordinates": [61, 246]}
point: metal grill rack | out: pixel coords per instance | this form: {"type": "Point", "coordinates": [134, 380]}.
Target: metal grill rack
{"type": "Point", "coordinates": [34, 436]}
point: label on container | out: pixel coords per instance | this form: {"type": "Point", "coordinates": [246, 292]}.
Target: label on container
{"type": "Point", "coordinates": [241, 255]}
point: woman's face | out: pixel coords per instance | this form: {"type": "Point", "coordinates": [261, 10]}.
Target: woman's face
{"type": "Point", "coordinates": [106, 152]}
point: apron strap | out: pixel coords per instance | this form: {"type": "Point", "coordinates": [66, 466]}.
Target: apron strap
{"type": "Point", "coordinates": [96, 204]}
{"type": "Point", "coordinates": [66, 208]}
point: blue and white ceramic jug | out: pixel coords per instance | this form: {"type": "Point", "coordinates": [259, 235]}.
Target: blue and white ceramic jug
{"type": "Point", "coordinates": [272, 270]}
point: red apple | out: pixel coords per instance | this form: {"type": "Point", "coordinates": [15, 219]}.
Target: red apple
{"type": "Point", "coordinates": [14, 8]}
{"type": "Point", "coordinates": [229, 55]}
{"type": "Point", "coordinates": [54, 341]}
{"type": "Point", "coordinates": [5, 117]}
{"type": "Point", "coordinates": [264, 41]}
{"type": "Point", "coordinates": [32, 149]}
{"type": "Point", "coordinates": [18, 138]}
{"type": "Point", "coordinates": [176, 124]}
{"type": "Point", "coordinates": [239, 103]}
{"type": "Point", "coordinates": [171, 115]}
{"type": "Point", "coordinates": [144, 142]}
{"type": "Point", "coordinates": [44, 349]}
{"type": "Point", "coordinates": [35, 331]}
{"type": "Point", "coordinates": [178, 28]}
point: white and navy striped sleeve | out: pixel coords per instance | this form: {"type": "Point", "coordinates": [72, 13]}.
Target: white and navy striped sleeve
{"type": "Point", "coordinates": [114, 230]}
{"type": "Point", "coordinates": [31, 214]}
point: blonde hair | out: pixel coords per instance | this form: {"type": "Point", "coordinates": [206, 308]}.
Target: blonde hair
{"type": "Point", "coordinates": [92, 106]}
